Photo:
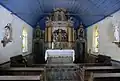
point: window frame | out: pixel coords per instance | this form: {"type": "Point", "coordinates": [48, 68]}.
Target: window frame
{"type": "Point", "coordinates": [95, 39]}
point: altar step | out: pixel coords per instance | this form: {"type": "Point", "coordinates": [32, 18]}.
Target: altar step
{"type": "Point", "coordinates": [60, 60]}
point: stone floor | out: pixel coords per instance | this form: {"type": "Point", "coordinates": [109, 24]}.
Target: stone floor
{"type": "Point", "coordinates": [62, 73]}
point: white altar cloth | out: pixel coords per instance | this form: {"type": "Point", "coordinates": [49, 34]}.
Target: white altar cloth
{"type": "Point", "coordinates": [58, 52]}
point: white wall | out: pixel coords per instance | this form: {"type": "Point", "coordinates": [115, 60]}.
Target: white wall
{"type": "Point", "coordinates": [15, 47]}
{"type": "Point", "coordinates": [106, 37]}
{"type": "Point", "coordinates": [89, 38]}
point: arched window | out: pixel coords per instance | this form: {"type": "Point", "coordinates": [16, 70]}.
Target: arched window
{"type": "Point", "coordinates": [95, 39]}
{"type": "Point", "coordinates": [24, 40]}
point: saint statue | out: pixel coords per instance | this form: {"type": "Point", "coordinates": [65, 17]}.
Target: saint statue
{"type": "Point", "coordinates": [116, 33]}
{"type": "Point", "coordinates": [7, 35]}
{"type": "Point", "coordinates": [56, 15]}
{"type": "Point", "coordinates": [62, 15]}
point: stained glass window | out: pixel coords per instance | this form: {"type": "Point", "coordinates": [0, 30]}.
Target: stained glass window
{"type": "Point", "coordinates": [96, 39]}
{"type": "Point", "coordinates": [24, 40]}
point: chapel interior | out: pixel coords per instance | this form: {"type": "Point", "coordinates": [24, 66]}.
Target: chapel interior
{"type": "Point", "coordinates": [60, 40]}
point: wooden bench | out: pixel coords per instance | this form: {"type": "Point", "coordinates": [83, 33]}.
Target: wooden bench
{"type": "Point", "coordinates": [90, 70]}
{"type": "Point", "coordinates": [25, 78]}
{"type": "Point", "coordinates": [23, 71]}
{"type": "Point", "coordinates": [106, 76]}
{"type": "Point", "coordinates": [26, 69]}
{"type": "Point", "coordinates": [102, 69]}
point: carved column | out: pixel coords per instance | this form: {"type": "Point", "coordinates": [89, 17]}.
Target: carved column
{"type": "Point", "coordinates": [46, 29]}
{"type": "Point", "coordinates": [73, 34]}
{"type": "Point", "coordinates": [60, 40]}
{"type": "Point", "coordinates": [49, 36]}
{"type": "Point", "coordinates": [69, 30]}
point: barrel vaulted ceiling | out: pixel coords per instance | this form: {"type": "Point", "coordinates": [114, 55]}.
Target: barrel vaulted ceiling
{"type": "Point", "coordinates": [87, 11]}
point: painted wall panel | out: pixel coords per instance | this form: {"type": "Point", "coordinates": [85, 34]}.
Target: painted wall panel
{"type": "Point", "coordinates": [15, 47]}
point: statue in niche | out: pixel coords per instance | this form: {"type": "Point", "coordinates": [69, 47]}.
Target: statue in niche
{"type": "Point", "coordinates": [55, 36]}
{"type": "Point", "coordinates": [56, 15]}
{"type": "Point", "coordinates": [64, 36]}
{"type": "Point", "coordinates": [81, 31]}
{"type": "Point", "coordinates": [59, 17]}
{"type": "Point", "coordinates": [55, 39]}
{"type": "Point", "coordinates": [62, 15]}
{"type": "Point", "coordinates": [59, 36]}
{"type": "Point", "coordinates": [7, 34]}
{"type": "Point", "coordinates": [116, 33]}
{"type": "Point", "coordinates": [38, 33]}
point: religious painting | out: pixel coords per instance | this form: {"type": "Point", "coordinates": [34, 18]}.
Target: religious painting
{"type": "Point", "coordinates": [7, 35]}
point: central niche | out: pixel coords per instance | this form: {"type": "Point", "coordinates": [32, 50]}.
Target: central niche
{"type": "Point", "coordinates": [60, 35]}
{"type": "Point", "coordinates": [59, 38]}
